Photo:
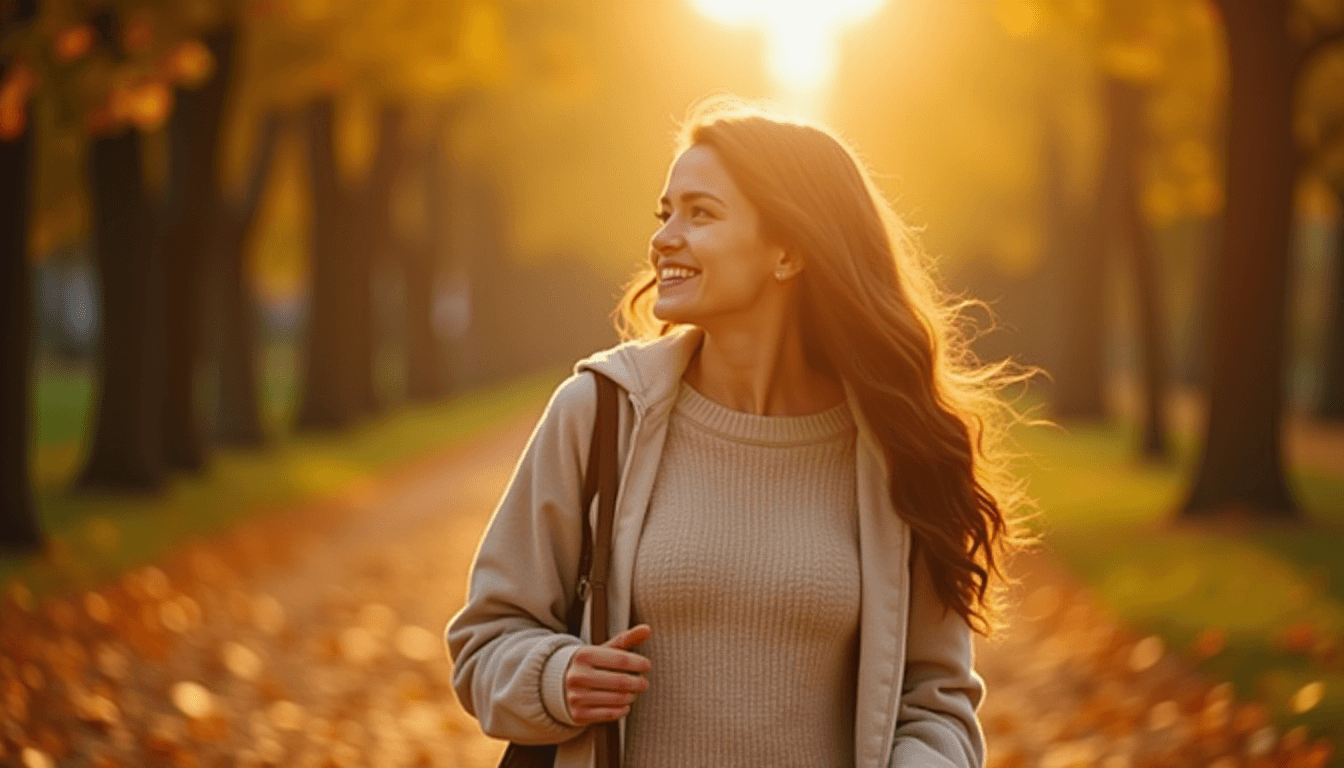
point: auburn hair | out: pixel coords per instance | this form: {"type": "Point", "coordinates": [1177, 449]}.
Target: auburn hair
{"type": "Point", "coordinates": [872, 315]}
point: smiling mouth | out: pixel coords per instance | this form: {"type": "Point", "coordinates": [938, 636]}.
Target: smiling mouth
{"type": "Point", "coordinates": [673, 275]}
{"type": "Point", "coordinates": [672, 282]}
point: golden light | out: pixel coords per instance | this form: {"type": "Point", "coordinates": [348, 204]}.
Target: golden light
{"type": "Point", "coordinates": [801, 35]}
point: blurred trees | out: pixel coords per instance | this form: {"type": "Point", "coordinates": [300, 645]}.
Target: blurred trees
{"type": "Point", "coordinates": [238, 416]}
{"type": "Point", "coordinates": [156, 93]}
{"type": "Point", "coordinates": [1241, 464]}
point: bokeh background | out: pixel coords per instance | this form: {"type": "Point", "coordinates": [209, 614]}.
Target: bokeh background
{"type": "Point", "coordinates": [279, 270]}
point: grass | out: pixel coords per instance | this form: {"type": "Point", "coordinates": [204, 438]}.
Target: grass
{"type": "Point", "coordinates": [1274, 598]}
{"type": "Point", "coordinates": [94, 536]}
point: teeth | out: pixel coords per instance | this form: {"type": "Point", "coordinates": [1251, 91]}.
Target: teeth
{"type": "Point", "coordinates": [667, 273]}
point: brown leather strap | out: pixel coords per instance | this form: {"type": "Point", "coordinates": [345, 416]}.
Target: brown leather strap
{"type": "Point", "coordinates": [607, 743]}
{"type": "Point", "coordinates": [574, 619]}
{"type": "Point", "coordinates": [600, 629]}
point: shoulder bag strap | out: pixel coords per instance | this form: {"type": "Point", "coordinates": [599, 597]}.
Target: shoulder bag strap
{"type": "Point", "coordinates": [607, 739]}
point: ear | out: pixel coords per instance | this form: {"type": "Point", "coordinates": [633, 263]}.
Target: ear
{"type": "Point", "coordinates": [788, 261]}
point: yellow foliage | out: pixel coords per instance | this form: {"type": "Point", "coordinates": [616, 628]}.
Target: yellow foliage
{"type": "Point", "coordinates": [1019, 18]}
{"type": "Point", "coordinates": [484, 50]}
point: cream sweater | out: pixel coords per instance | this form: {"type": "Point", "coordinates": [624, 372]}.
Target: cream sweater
{"type": "Point", "coordinates": [916, 692]}
{"type": "Point", "coordinates": [748, 572]}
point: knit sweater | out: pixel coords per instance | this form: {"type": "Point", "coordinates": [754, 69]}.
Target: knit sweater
{"type": "Point", "coordinates": [748, 572]}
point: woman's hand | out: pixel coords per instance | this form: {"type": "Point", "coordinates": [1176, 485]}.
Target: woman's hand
{"type": "Point", "coordinates": [602, 681]}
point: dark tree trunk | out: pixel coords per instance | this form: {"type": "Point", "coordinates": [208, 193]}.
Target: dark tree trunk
{"type": "Point", "coordinates": [425, 380]}
{"type": "Point", "coordinates": [238, 419]}
{"type": "Point", "coordinates": [19, 531]}
{"type": "Point", "coordinates": [329, 399]}
{"type": "Point", "coordinates": [369, 206]}
{"type": "Point", "coordinates": [1126, 104]}
{"type": "Point", "coordinates": [193, 135]}
{"type": "Point", "coordinates": [1079, 391]}
{"type": "Point", "coordinates": [1330, 405]}
{"type": "Point", "coordinates": [126, 451]}
{"type": "Point", "coordinates": [1241, 470]}
{"type": "Point", "coordinates": [1049, 285]}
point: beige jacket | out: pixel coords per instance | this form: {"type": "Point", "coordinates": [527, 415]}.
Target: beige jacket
{"type": "Point", "coordinates": [917, 691]}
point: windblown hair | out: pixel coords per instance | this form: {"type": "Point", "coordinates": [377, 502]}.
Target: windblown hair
{"type": "Point", "coordinates": [871, 314]}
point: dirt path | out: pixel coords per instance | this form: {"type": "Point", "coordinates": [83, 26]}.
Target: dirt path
{"type": "Point", "coordinates": [313, 639]}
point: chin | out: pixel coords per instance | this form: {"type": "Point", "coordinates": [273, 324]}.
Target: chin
{"type": "Point", "coordinates": [674, 314]}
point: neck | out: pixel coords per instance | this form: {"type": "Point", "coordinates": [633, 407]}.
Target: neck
{"type": "Point", "coordinates": [760, 368]}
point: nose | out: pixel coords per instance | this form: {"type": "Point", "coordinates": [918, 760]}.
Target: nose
{"type": "Point", "coordinates": [664, 241]}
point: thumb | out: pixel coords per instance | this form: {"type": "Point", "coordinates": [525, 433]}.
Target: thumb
{"type": "Point", "coordinates": [630, 637]}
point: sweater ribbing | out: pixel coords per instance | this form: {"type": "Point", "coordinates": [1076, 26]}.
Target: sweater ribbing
{"type": "Point", "coordinates": [747, 570]}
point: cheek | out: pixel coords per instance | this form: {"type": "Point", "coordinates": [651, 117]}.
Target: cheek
{"type": "Point", "coordinates": [731, 262]}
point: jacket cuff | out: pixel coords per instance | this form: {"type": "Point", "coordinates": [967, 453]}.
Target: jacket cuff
{"type": "Point", "coordinates": [553, 683]}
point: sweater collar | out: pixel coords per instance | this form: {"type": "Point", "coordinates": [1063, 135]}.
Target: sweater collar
{"type": "Point", "coordinates": [650, 370]}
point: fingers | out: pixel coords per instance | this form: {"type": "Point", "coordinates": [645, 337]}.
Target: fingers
{"type": "Point", "coordinates": [581, 677]}
{"type": "Point", "coordinates": [630, 637]}
{"type": "Point", "coordinates": [602, 657]}
{"type": "Point", "coordinates": [587, 706]}
{"type": "Point", "coordinates": [603, 681]}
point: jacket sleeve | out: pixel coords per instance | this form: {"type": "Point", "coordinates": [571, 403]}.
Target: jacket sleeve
{"type": "Point", "coordinates": [937, 723]}
{"type": "Point", "coordinates": [509, 643]}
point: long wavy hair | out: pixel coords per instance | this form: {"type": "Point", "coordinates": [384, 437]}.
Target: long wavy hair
{"type": "Point", "coordinates": [872, 315]}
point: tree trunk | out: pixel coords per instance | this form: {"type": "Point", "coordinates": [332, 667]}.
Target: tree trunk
{"type": "Point", "coordinates": [1330, 405]}
{"type": "Point", "coordinates": [1126, 102]}
{"type": "Point", "coordinates": [369, 206]}
{"type": "Point", "coordinates": [19, 531]}
{"type": "Point", "coordinates": [126, 451]}
{"type": "Point", "coordinates": [238, 419]}
{"type": "Point", "coordinates": [1080, 388]}
{"type": "Point", "coordinates": [193, 134]}
{"type": "Point", "coordinates": [1048, 284]}
{"type": "Point", "coordinates": [425, 380]}
{"type": "Point", "coordinates": [329, 399]}
{"type": "Point", "coordinates": [1241, 470]}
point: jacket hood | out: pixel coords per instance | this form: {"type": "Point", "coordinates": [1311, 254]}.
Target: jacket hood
{"type": "Point", "coordinates": [648, 369]}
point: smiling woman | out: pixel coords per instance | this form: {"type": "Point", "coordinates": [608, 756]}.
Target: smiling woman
{"type": "Point", "coordinates": [812, 509]}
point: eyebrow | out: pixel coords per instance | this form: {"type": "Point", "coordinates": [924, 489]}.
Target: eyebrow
{"type": "Point", "coordinates": [688, 196]}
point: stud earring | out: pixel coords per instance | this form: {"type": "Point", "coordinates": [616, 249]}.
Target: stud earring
{"type": "Point", "coordinates": [780, 274]}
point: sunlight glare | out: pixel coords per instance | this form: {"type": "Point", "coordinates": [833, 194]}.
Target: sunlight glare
{"type": "Point", "coordinates": [802, 34]}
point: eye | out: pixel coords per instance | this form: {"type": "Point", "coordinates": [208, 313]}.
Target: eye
{"type": "Point", "coordinates": [697, 210]}
{"type": "Point", "coordinates": [662, 216]}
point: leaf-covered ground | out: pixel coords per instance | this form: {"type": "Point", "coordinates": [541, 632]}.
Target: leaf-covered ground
{"type": "Point", "coordinates": [313, 638]}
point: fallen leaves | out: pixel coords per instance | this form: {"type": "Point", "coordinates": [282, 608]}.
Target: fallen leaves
{"type": "Point", "coordinates": [1067, 687]}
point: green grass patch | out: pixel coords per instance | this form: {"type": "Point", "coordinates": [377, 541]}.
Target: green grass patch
{"type": "Point", "coordinates": [1277, 596]}
{"type": "Point", "coordinates": [96, 536]}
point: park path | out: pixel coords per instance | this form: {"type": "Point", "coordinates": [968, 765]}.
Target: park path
{"type": "Point", "coordinates": [312, 638]}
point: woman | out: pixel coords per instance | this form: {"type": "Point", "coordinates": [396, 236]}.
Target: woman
{"type": "Point", "coordinates": [777, 596]}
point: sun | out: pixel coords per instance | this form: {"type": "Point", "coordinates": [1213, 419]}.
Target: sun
{"type": "Point", "coordinates": [801, 34]}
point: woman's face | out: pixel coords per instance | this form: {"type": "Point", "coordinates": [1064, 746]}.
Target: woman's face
{"type": "Point", "coordinates": [711, 259]}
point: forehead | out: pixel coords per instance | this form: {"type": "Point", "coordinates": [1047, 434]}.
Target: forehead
{"type": "Point", "coordinates": [698, 169]}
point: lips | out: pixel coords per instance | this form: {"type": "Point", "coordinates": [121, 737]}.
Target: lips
{"type": "Point", "coordinates": [673, 282]}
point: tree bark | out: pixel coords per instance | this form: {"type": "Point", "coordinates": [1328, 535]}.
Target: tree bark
{"type": "Point", "coordinates": [193, 134]}
{"type": "Point", "coordinates": [329, 399]}
{"type": "Point", "coordinates": [19, 530]}
{"type": "Point", "coordinates": [1126, 103]}
{"type": "Point", "coordinates": [369, 206]}
{"type": "Point", "coordinates": [1080, 387]}
{"type": "Point", "coordinates": [1330, 406]}
{"type": "Point", "coordinates": [238, 418]}
{"type": "Point", "coordinates": [126, 451]}
{"type": "Point", "coordinates": [425, 380]}
{"type": "Point", "coordinates": [1240, 471]}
